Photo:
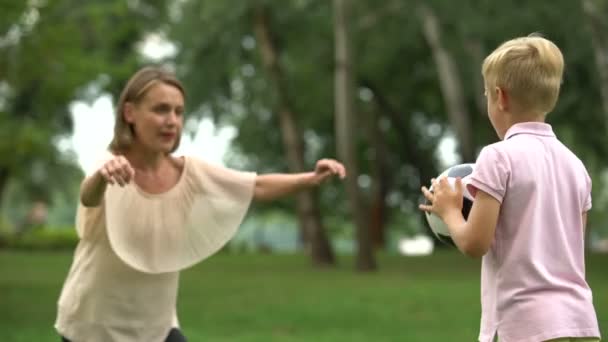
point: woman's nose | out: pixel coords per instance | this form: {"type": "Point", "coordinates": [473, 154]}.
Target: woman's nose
{"type": "Point", "coordinates": [173, 118]}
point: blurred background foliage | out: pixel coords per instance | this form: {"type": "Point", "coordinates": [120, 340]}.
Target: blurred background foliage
{"type": "Point", "coordinates": [267, 68]}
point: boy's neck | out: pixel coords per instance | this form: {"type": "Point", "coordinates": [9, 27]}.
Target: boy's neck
{"type": "Point", "coordinates": [515, 118]}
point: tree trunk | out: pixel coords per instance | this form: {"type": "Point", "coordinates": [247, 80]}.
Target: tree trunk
{"type": "Point", "coordinates": [413, 155]}
{"type": "Point", "coordinates": [476, 51]}
{"type": "Point", "coordinates": [399, 122]}
{"type": "Point", "coordinates": [380, 181]}
{"type": "Point", "coordinates": [4, 175]}
{"type": "Point", "coordinates": [449, 80]}
{"type": "Point", "coordinates": [345, 129]}
{"type": "Point", "coordinates": [599, 38]}
{"type": "Point", "coordinates": [307, 205]}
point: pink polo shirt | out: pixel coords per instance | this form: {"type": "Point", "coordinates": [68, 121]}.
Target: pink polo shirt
{"type": "Point", "coordinates": [533, 284]}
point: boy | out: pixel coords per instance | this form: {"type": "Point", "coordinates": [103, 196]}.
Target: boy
{"type": "Point", "coordinates": [532, 195]}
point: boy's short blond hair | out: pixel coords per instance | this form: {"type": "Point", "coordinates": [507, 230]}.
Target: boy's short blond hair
{"type": "Point", "coordinates": [530, 69]}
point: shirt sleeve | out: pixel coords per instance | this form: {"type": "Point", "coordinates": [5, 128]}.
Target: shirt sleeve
{"type": "Point", "coordinates": [491, 174]}
{"type": "Point", "coordinates": [175, 230]}
{"type": "Point", "coordinates": [221, 182]}
{"type": "Point", "coordinates": [587, 204]}
{"type": "Point", "coordinates": [89, 219]}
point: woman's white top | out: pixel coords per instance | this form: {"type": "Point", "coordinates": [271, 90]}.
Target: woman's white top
{"type": "Point", "coordinates": [123, 282]}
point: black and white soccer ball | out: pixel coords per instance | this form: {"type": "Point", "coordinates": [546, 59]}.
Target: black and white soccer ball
{"type": "Point", "coordinates": [438, 227]}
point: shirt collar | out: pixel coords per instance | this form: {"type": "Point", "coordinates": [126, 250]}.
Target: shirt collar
{"type": "Point", "coordinates": [535, 128]}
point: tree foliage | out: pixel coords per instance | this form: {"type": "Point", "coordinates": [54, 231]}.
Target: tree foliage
{"type": "Point", "coordinates": [52, 52]}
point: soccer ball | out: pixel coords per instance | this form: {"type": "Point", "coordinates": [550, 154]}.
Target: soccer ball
{"type": "Point", "coordinates": [438, 227]}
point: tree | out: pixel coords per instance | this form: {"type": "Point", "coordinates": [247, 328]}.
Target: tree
{"type": "Point", "coordinates": [599, 37]}
{"type": "Point", "coordinates": [450, 82]}
{"type": "Point", "coordinates": [400, 96]}
{"type": "Point", "coordinates": [54, 53]}
{"type": "Point", "coordinates": [237, 65]}
{"type": "Point", "coordinates": [307, 205]}
{"type": "Point", "coordinates": [346, 136]}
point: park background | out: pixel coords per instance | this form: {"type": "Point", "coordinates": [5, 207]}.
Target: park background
{"type": "Point", "coordinates": [391, 88]}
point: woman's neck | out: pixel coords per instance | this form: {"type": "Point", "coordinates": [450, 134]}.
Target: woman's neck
{"type": "Point", "coordinates": [143, 159]}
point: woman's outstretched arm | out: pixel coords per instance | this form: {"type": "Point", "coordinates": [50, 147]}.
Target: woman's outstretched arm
{"type": "Point", "coordinates": [275, 185]}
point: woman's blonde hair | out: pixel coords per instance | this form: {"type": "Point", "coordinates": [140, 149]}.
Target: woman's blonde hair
{"type": "Point", "coordinates": [530, 69]}
{"type": "Point", "coordinates": [133, 92]}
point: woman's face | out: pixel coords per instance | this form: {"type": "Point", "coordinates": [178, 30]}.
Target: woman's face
{"type": "Point", "coordinates": [157, 118]}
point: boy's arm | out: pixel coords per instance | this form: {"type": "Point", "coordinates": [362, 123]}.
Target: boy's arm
{"type": "Point", "coordinates": [474, 236]}
{"type": "Point", "coordinates": [584, 221]}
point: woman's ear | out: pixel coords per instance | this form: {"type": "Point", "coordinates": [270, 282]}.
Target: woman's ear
{"type": "Point", "coordinates": [128, 112]}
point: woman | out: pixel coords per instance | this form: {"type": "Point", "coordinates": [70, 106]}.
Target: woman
{"type": "Point", "coordinates": [145, 215]}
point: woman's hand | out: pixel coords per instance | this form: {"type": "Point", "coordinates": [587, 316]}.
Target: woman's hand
{"type": "Point", "coordinates": [326, 168]}
{"type": "Point", "coordinates": [117, 170]}
{"type": "Point", "coordinates": [273, 186]}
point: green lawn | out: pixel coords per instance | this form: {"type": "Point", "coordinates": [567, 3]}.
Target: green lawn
{"type": "Point", "coordinates": [280, 298]}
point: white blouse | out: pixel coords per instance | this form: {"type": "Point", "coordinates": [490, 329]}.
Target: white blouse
{"type": "Point", "coordinates": [123, 282]}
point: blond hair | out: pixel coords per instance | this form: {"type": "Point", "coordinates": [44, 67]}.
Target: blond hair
{"type": "Point", "coordinates": [530, 69]}
{"type": "Point", "coordinates": [135, 90]}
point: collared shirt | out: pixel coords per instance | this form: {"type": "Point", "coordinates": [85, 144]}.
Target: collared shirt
{"type": "Point", "coordinates": [533, 285]}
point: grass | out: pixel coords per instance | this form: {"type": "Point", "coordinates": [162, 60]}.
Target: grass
{"type": "Point", "coordinates": [281, 298]}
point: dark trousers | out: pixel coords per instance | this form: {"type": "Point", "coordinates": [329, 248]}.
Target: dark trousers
{"type": "Point", "coordinates": [174, 336]}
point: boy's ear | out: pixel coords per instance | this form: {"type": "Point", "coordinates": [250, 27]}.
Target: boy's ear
{"type": "Point", "coordinates": [502, 99]}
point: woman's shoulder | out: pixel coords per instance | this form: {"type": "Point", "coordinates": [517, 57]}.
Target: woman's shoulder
{"type": "Point", "coordinates": [196, 164]}
{"type": "Point", "coordinates": [179, 162]}
{"type": "Point", "coordinates": [214, 172]}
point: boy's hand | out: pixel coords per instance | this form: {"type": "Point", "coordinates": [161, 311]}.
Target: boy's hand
{"type": "Point", "coordinates": [444, 199]}
{"type": "Point", "coordinates": [326, 168]}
